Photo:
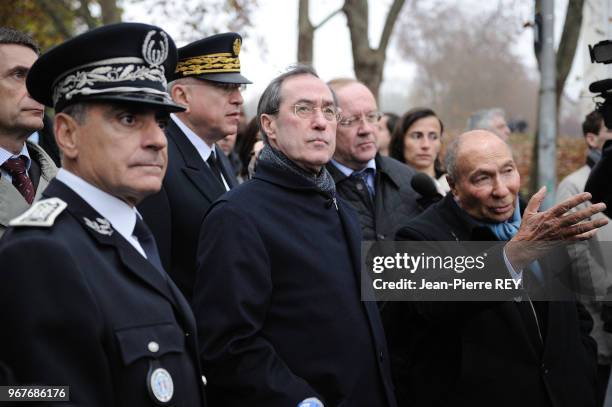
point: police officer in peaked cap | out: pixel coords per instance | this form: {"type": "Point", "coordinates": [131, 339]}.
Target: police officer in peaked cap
{"type": "Point", "coordinates": [86, 301]}
{"type": "Point", "coordinates": [208, 81]}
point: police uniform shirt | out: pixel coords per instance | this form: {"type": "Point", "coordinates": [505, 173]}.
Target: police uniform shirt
{"type": "Point", "coordinates": [204, 150]}
{"type": "Point", "coordinates": [117, 212]}
{"type": "Point", "coordinates": [5, 155]}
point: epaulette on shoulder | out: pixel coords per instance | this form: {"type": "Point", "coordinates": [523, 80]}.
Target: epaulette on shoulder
{"type": "Point", "coordinates": [40, 214]}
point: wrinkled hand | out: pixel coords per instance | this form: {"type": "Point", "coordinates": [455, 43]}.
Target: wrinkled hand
{"type": "Point", "coordinates": [542, 231]}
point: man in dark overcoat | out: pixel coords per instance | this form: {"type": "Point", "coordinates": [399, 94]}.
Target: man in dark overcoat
{"type": "Point", "coordinates": [85, 300]}
{"type": "Point", "coordinates": [277, 297]}
{"type": "Point", "coordinates": [377, 187]}
{"type": "Point", "coordinates": [522, 351]}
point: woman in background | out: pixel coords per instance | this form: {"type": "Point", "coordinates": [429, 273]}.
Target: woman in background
{"type": "Point", "coordinates": [417, 140]}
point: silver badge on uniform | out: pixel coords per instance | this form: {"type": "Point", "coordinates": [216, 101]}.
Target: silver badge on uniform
{"type": "Point", "coordinates": [100, 225]}
{"type": "Point", "coordinates": [161, 385]}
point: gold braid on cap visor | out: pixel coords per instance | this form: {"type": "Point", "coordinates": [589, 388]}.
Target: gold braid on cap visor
{"type": "Point", "coordinates": [212, 63]}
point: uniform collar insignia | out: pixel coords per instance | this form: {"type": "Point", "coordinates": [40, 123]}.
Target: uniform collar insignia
{"type": "Point", "coordinates": [100, 225]}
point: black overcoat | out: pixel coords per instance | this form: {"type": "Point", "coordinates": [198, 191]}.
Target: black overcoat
{"type": "Point", "coordinates": [278, 302]}
{"type": "Point", "coordinates": [502, 354]}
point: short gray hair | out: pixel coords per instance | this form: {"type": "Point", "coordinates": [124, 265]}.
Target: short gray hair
{"type": "Point", "coordinates": [482, 119]}
{"type": "Point", "coordinates": [78, 111]}
{"type": "Point", "coordinates": [179, 81]}
{"type": "Point", "coordinates": [450, 157]}
{"type": "Point", "coordinates": [270, 100]}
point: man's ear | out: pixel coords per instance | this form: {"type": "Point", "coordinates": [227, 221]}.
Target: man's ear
{"type": "Point", "coordinates": [66, 135]}
{"type": "Point", "coordinates": [268, 125]}
{"type": "Point", "coordinates": [591, 140]}
{"type": "Point", "coordinates": [451, 184]}
{"type": "Point", "coordinates": [181, 95]}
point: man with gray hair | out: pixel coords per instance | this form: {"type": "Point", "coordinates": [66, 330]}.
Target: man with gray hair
{"type": "Point", "coordinates": [25, 168]}
{"type": "Point", "coordinates": [277, 296]}
{"type": "Point", "coordinates": [493, 120]}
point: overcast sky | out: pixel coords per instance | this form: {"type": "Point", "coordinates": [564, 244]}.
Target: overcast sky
{"type": "Point", "coordinates": [276, 23]}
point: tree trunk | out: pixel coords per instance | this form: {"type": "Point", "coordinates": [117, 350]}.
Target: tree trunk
{"type": "Point", "coordinates": [305, 34]}
{"type": "Point", "coordinates": [368, 62]}
{"type": "Point", "coordinates": [567, 45]}
{"type": "Point", "coordinates": [110, 11]}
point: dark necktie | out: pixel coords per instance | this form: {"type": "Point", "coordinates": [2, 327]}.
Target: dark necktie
{"type": "Point", "coordinates": [363, 177]}
{"type": "Point", "coordinates": [214, 167]}
{"type": "Point", "coordinates": [16, 167]}
{"type": "Point", "coordinates": [147, 242]}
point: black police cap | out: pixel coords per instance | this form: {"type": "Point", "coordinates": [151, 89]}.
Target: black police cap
{"type": "Point", "coordinates": [125, 62]}
{"type": "Point", "coordinates": [213, 58]}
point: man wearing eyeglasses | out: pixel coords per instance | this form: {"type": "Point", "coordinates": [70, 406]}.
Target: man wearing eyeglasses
{"type": "Point", "coordinates": [277, 297]}
{"type": "Point", "coordinates": [207, 81]}
{"type": "Point", "coordinates": [378, 187]}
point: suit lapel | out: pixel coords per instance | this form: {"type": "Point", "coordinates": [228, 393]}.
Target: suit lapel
{"type": "Point", "coordinates": [12, 203]}
{"type": "Point", "coordinates": [194, 168]}
{"type": "Point", "coordinates": [520, 315]}
{"type": "Point", "coordinates": [226, 168]}
{"type": "Point", "coordinates": [107, 236]}
{"type": "Point", "coordinates": [557, 331]}
{"type": "Point", "coordinates": [352, 233]}
{"type": "Point", "coordinates": [47, 167]}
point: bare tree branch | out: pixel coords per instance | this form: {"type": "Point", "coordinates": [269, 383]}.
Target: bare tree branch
{"type": "Point", "coordinates": [394, 11]}
{"type": "Point", "coordinates": [110, 11]}
{"type": "Point", "coordinates": [356, 12]}
{"type": "Point", "coordinates": [568, 43]}
{"type": "Point", "coordinates": [326, 19]}
{"type": "Point", "coordinates": [85, 14]}
{"type": "Point", "coordinates": [305, 33]}
{"type": "Point", "coordinates": [368, 62]}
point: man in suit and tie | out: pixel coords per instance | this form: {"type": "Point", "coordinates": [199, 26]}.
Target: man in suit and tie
{"type": "Point", "coordinates": [85, 300]}
{"type": "Point", "coordinates": [25, 168]}
{"type": "Point", "coordinates": [207, 81]}
{"type": "Point", "coordinates": [378, 187]}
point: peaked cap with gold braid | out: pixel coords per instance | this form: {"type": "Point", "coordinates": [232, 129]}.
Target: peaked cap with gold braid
{"type": "Point", "coordinates": [213, 58]}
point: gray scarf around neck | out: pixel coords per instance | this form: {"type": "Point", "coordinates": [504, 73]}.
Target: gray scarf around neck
{"type": "Point", "coordinates": [323, 180]}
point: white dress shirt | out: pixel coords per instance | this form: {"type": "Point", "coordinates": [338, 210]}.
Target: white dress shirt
{"type": "Point", "coordinates": [204, 150]}
{"type": "Point", "coordinates": [120, 215]}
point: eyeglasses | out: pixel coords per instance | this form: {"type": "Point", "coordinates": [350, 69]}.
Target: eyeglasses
{"type": "Point", "coordinates": [228, 87]}
{"type": "Point", "coordinates": [371, 118]}
{"type": "Point", "coordinates": [418, 136]}
{"type": "Point", "coordinates": [306, 111]}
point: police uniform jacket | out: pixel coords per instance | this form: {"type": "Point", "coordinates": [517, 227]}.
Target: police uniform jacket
{"type": "Point", "coordinates": [278, 302]}
{"type": "Point", "coordinates": [502, 354]}
{"type": "Point", "coordinates": [176, 212]}
{"type": "Point", "coordinates": [82, 308]}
